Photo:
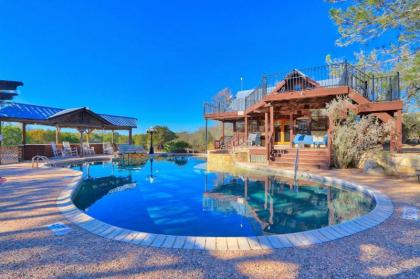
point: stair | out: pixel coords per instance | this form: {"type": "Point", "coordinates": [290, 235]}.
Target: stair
{"type": "Point", "coordinates": [308, 159]}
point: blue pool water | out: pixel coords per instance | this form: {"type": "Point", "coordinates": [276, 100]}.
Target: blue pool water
{"type": "Point", "coordinates": [178, 196]}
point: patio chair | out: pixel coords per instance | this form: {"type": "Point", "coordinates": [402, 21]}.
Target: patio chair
{"type": "Point", "coordinates": [254, 139]}
{"type": "Point", "coordinates": [56, 152]}
{"type": "Point", "coordinates": [301, 139]}
{"type": "Point", "coordinates": [87, 149]}
{"type": "Point", "coordinates": [68, 150]}
{"type": "Point", "coordinates": [108, 148]}
{"type": "Point", "coordinates": [323, 141]}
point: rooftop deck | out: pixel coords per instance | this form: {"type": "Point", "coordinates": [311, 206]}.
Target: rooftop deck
{"type": "Point", "coordinates": [327, 80]}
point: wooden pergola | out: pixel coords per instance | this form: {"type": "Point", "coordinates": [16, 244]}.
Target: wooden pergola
{"type": "Point", "coordinates": [83, 119]}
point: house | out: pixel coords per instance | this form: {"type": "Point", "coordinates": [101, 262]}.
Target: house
{"type": "Point", "coordinates": [288, 110]}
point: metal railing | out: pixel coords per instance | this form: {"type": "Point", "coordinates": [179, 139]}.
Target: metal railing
{"type": "Point", "coordinates": [374, 88]}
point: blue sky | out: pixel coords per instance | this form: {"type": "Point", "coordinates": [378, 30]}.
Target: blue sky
{"type": "Point", "coordinates": [156, 60]}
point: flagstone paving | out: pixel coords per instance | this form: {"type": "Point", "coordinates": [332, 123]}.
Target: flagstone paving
{"type": "Point", "coordinates": [28, 249]}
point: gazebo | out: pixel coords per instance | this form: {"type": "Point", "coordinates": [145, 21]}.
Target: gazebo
{"type": "Point", "coordinates": [83, 119]}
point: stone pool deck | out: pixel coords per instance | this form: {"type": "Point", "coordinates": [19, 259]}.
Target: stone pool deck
{"type": "Point", "coordinates": [29, 249]}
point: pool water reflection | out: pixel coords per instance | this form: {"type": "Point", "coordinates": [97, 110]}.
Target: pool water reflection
{"type": "Point", "coordinates": [178, 196]}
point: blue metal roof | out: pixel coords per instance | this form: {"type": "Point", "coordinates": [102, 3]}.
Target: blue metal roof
{"type": "Point", "coordinates": [33, 112]}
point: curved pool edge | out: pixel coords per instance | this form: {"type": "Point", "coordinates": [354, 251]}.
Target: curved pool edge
{"type": "Point", "coordinates": [382, 211]}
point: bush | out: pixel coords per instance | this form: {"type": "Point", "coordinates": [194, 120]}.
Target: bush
{"type": "Point", "coordinates": [176, 146]}
{"type": "Point", "coordinates": [411, 127]}
{"type": "Point", "coordinates": [352, 136]}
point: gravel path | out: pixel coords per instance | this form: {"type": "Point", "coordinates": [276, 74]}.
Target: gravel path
{"type": "Point", "coordinates": [29, 250]}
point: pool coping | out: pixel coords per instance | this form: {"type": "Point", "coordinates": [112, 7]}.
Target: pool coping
{"type": "Point", "coordinates": [382, 211]}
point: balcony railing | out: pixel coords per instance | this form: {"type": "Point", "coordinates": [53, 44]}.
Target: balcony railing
{"type": "Point", "coordinates": [374, 88]}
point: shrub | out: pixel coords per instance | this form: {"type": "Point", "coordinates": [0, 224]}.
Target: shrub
{"type": "Point", "coordinates": [176, 146]}
{"type": "Point", "coordinates": [352, 136]}
{"type": "Point", "coordinates": [411, 127]}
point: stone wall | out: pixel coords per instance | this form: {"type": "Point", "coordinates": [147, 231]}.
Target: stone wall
{"type": "Point", "coordinates": [396, 164]}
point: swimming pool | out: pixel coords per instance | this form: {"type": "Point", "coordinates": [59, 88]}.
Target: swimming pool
{"type": "Point", "coordinates": [178, 196]}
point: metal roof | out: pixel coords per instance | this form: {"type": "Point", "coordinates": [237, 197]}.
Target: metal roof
{"type": "Point", "coordinates": [29, 112]}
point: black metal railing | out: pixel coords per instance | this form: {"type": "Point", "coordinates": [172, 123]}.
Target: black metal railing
{"type": "Point", "coordinates": [374, 88]}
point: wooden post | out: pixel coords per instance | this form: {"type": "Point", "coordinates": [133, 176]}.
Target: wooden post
{"type": "Point", "coordinates": [112, 136]}
{"type": "Point", "coordinates": [398, 130]}
{"type": "Point", "coordinates": [103, 134]}
{"type": "Point", "coordinates": [130, 136]}
{"type": "Point", "coordinates": [266, 134]}
{"type": "Point", "coordinates": [292, 124]}
{"type": "Point", "coordinates": [246, 129]}
{"type": "Point", "coordinates": [82, 154]}
{"type": "Point", "coordinates": [57, 134]}
{"type": "Point", "coordinates": [223, 129]}
{"type": "Point", "coordinates": [23, 133]}
{"type": "Point", "coordinates": [329, 147]}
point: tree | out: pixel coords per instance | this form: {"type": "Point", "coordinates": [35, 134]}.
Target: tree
{"type": "Point", "coordinates": [12, 134]}
{"type": "Point", "coordinates": [163, 135]}
{"type": "Point", "coordinates": [393, 26]}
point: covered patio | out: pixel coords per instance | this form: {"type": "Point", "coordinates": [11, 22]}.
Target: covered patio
{"type": "Point", "coordinates": [83, 119]}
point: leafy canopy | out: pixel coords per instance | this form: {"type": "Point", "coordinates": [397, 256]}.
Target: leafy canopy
{"type": "Point", "coordinates": [392, 27]}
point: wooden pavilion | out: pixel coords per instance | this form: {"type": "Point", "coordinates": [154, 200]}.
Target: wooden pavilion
{"type": "Point", "coordinates": [288, 109]}
{"type": "Point", "coordinates": [83, 119]}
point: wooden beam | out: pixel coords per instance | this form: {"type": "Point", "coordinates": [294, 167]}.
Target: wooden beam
{"type": "Point", "coordinates": [130, 136]}
{"type": "Point", "coordinates": [266, 136]}
{"type": "Point", "coordinates": [223, 129]}
{"type": "Point", "coordinates": [312, 93]}
{"type": "Point", "coordinates": [82, 153]}
{"type": "Point", "coordinates": [23, 133]}
{"type": "Point", "coordinates": [291, 129]}
{"type": "Point", "coordinates": [57, 134]}
{"type": "Point", "coordinates": [246, 129]}
{"type": "Point", "coordinates": [380, 107]}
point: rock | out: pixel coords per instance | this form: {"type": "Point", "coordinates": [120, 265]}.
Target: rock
{"type": "Point", "coordinates": [369, 164]}
{"type": "Point", "coordinates": [371, 167]}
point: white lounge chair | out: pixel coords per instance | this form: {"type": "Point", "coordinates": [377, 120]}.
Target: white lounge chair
{"type": "Point", "coordinates": [87, 149]}
{"type": "Point", "coordinates": [56, 152]}
{"type": "Point", "coordinates": [68, 150]}
{"type": "Point", "coordinates": [108, 148]}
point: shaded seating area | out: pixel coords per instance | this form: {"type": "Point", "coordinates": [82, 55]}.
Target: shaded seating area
{"type": "Point", "coordinates": [83, 119]}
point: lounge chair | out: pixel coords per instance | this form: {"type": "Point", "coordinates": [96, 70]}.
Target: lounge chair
{"type": "Point", "coordinates": [107, 148]}
{"type": "Point", "coordinates": [323, 141]}
{"type": "Point", "coordinates": [254, 139]}
{"type": "Point", "coordinates": [87, 150]}
{"type": "Point", "coordinates": [56, 152]}
{"type": "Point", "coordinates": [303, 139]}
{"type": "Point", "coordinates": [68, 150]}
{"type": "Point", "coordinates": [130, 149]}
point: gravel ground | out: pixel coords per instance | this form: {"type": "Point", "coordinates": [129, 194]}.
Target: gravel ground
{"type": "Point", "coordinates": [29, 250]}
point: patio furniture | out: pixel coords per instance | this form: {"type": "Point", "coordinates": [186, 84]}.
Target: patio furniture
{"type": "Point", "coordinates": [87, 149]}
{"type": "Point", "coordinates": [254, 139]}
{"type": "Point", "coordinates": [323, 141]}
{"type": "Point", "coordinates": [68, 150]}
{"type": "Point", "coordinates": [56, 152]}
{"type": "Point", "coordinates": [108, 148]}
{"type": "Point", "coordinates": [130, 149]}
{"type": "Point", "coordinates": [303, 140]}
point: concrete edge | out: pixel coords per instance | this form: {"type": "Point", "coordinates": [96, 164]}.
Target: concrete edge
{"type": "Point", "coordinates": [383, 210]}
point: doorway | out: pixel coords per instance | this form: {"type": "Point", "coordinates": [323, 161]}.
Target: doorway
{"type": "Point", "coordinates": [282, 131]}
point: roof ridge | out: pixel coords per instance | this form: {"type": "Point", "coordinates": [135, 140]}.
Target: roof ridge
{"type": "Point", "coordinates": [15, 103]}
{"type": "Point", "coordinates": [117, 116]}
